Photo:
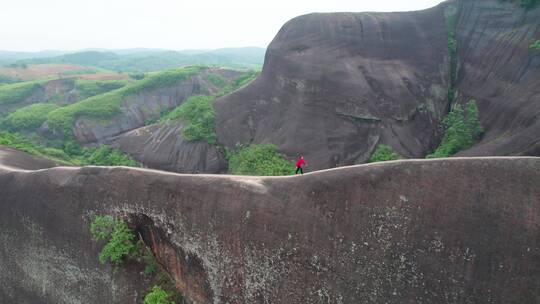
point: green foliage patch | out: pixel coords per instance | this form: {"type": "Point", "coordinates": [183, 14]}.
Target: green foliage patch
{"type": "Point", "coordinates": [462, 129]}
{"type": "Point", "coordinates": [535, 45]}
{"type": "Point", "coordinates": [121, 240]}
{"type": "Point", "coordinates": [384, 153]}
{"type": "Point", "coordinates": [217, 80]}
{"type": "Point", "coordinates": [17, 92]}
{"type": "Point", "coordinates": [69, 152]}
{"type": "Point", "coordinates": [89, 88]}
{"type": "Point", "coordinates": [263, 159]}
{"type": "Point", "coordinates": [199, 116]}
{"type": "Point", "coordinates": [105, 106]}
{"type": "Point", "coordinates": [158, 296]}
{"type": "Point", "coordinates": [30, 117]}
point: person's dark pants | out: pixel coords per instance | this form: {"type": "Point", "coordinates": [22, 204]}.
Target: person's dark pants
{"type": "Point", "coordinates": [299, 169]}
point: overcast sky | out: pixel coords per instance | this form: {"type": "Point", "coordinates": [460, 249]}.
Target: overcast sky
{"type": "Point", "coordinates": [31, 25]}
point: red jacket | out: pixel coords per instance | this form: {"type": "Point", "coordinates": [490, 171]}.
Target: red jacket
{"type": "Point", "coordinates": [300, 162]}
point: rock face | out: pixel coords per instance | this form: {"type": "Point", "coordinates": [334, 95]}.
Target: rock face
{"type": "Point", "coordinates": [497, 68]}
{"type": "Point", "coordinates": [333, 86]}
{"type": "Point", "coordinates": [439, 231]}
{"type": "Point", "coordinates": [336, 85]}
{"type": "Point", "coordinates": [62, 89]}
{"type": "Point", "coordinates": [162, 146]}
{"type": "Point", "coordinates": [140, 108]}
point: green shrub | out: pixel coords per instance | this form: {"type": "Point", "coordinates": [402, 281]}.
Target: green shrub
{"type": "Point", "coordinates": [17, 92]}
{"type": "Point", "coordinates": [199, 116]}
{"type": "Point", "coordinates": [263, 159]}
{"type": "Point", "coordinates": [89, 88]}
{"type": "Point", "coordinates": [121, 240]}
{"type": "Point", "coordinates": [102, 227]}
{"type": "Point", "coordinates": [70, 153]}
{"type": "Point", "coordinates": [217, 80]}
{"type": "Point", "coordinates": [105, 106]}
{"type": "Point", "coordinates": [105, 156]}
{"type": "Point", "coordinates": [462, 129]}
{"type": "Point", "coordinates": [535, 45]}
{"type": "Point", "coordinates": [384, 153]}
{"type": "Point", "coordinates": [158, 296]}
{"type": "Point", "coordinates": [246, 78]}
{"type": "Point", "coordinates": [30, 117]}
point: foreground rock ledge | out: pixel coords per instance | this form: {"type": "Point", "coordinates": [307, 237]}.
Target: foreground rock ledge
{"type": "Point", "coordinates": [462, 230]}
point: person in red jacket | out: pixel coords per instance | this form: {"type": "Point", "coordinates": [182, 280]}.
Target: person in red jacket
{"type": "Point", "coordinates": [299, 164]}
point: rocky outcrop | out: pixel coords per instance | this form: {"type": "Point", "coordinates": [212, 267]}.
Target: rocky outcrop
{"type": "Point", "coordinates": [439, 231]}
{"type": "Point", "coordinates": [333, 86]}
{"type": "Point", "coordinates": [138, 109]}
{"type": "Point", "coordinates": [500, 71]}
{"type": "Point", "coordinates": [61, 90]}
{"type": "Point", "coordinates": [15, 159]}
{"type": "Point", "coordinates": [162, 146]}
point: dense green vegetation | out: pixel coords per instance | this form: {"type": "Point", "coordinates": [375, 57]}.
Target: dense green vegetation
{"type": "Point", "coordinates": [121, 245]}
{"type": "Point", "coordinates": [30, 117]}
{"type": "Point", "coordinates": [199, 116]}
{"type": "Point", "coordinates": [17, 92]}
{"type": "Point", "coordinates": [246, 78]}
{"type": "Point", "coordinates": [120, 239]}
{"type": "Point", "coordinates": [104, 106]}
{"type": "Point", "coordinates": [535, 45]}
{"type": "Point", "coordinates": [384, 153]}
{"type": "Point", "coordinates": [462, 129]}
{"type": "Point", "coordinates": [263, 159]}
{"type": "Point", "coordinates": [158, 296]}
{"type": "Point", "coordinates": [89, 88]}
{"type": "Point", "coordinates": [217, 80]}
{"type": "Point", "coordinates": [68, 152]}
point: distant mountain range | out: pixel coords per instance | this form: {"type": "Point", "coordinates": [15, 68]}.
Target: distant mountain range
{"type": "Point", "coordinates": [142, 60]}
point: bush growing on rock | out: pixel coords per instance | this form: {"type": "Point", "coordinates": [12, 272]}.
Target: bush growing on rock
{"type": "Point", "coordinates": [121, 240]}
{"type": "Point", "coordinates": [198, 114]}
{"type": "Point", "coordinates": [261, 159]}
{"type": "Point", "coordinates": [535, 45]}
{"type": "Point", "coordinates": [384, 153]}
{"type": "Point", "coordinates": [158, 296]}
{"type": "Point", "coordinates": [30, 117]}
{"type": "Point", "coordinates": [462, 129]}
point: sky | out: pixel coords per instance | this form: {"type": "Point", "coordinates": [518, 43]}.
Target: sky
{"type": "Point", "coordinates": [33, 25]}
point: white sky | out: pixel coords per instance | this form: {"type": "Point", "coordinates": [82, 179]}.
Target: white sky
{"type": "Point", "coordinates": [32, 25]}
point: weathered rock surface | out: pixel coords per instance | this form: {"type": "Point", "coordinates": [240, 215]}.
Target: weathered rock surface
{"type": "Point", "coordinates": [333, 86]}
{"type": "Point", "coordinates": [336, 85]}
{"type": "Point", "coordinates": [436, 231]}
{"type": "Point", "coordinates": [163, 147]}
{"type": "Point", "coordinates": [15, 159]}
{"type": "Point", "coordinates": [138, 109]}
{"type": "Point", "coordinates": [61, 89]}
{"type": "Point", "coordinates": [497, 68]}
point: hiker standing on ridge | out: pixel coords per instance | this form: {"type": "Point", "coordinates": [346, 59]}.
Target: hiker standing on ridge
{"type": "Point", "coordinates": [299, 164]}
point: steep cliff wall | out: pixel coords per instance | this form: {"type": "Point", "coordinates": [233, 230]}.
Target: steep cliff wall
{"type": "Point", "coordinates": [440, 231]}
{"type": "Point", "coordinates": [500, 71]}
{"type": "Point", "coordinates": [163, 147]}
{"type": "Point", "coordinates": [333, 86]}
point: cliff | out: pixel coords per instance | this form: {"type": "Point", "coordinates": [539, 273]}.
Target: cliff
{"type": "Point", "coordinates": [439, 231]}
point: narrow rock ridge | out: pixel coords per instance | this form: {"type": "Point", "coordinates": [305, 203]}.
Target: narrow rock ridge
{"type": "Point", "coordinates": [416, 231]}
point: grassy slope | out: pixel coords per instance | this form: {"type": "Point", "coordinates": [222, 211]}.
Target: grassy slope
{"type": "Point", "coordinates": [106, 106]}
